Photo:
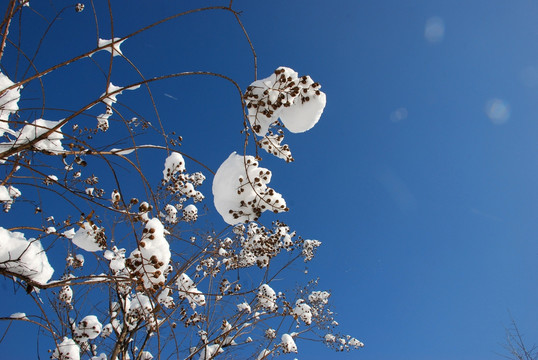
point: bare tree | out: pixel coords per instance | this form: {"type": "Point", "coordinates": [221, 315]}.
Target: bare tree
{"type": "Point", "coordinates": [142, 277]}
{"type": "Point", "coordinates": [515, 345]}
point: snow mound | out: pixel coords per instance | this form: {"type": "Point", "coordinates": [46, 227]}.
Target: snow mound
{"type": "Point", "coordinates": [240, 190]}
{"type": "Point", "coordinates": [24, 257]}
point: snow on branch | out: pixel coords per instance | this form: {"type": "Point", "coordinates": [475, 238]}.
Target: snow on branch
{"type": "Point", "coordinates": [24, 257]}
{"type": "Point", "coordinates": [240, 190]}
{"type": "Point", "coordinates": [296, 101]}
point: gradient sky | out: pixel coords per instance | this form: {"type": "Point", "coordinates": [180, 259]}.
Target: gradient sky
{"type": "Point", "coordinates": [421, 177]}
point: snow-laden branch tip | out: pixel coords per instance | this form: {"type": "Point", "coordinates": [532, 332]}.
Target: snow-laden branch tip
{"type": "Point", "coordinates": [240, 190]}
{"type": "Point", "coordinates": [297, 101]}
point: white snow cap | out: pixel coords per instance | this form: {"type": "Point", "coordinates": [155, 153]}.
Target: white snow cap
{"type": "Point", "coordinates": [288, 344]}
{"type": "Point", "coordinates": [24, 257]}
{"type": "Point", "coordinates": [18, 315]}
{"type": "Point", "coordinates": [173, 164]}
{"type": "Point", "coordinates": [90, 238]}
{"type": "Point", "coordinates": [238, 200]}
{"type": "Point", "coordinates": [152, 257]}
{"type": "Point", "coordinates": [190, 213]}
{"type": "Point", "coordinates": [66, 350]}
{"type": "Point", "coordinates": [267, 297]}
{"type": "Point", "coordinates": [297, 101]}
{"type": "Point", "coordinates": [88, 328]}
{"type": "Point", "coordinates": [303, 311]}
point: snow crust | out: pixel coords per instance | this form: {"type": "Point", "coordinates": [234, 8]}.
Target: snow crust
{"type": "Point", "coordinates": [24, 257]}
{"type": "Point", "coordinates": [240, 190]}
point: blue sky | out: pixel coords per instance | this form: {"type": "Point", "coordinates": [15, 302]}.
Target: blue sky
{"type": "Point", "coordinates": [425, 201]}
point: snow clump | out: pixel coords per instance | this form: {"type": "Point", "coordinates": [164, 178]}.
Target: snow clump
{"type": "Point", "coordinates": [24, 257]}
{"type": "Point", "coordinates": [303, 311]}
{"type": "Point", "coordinates": [190, 213]}
{"type": "Point", "coordinates": [172, 165]}
{"type": "Point", "coordinates": [18, 315]}
{"type": "Point", "coordinates": [309, 248]}
{"type": "Point", "coordinates": [240, 190]}
{"type": "Point", "coordinates": [288, 344]}
{"type": "Point", "coordinates": [149, 263]}
{"type": "Point", "coordinates": [66, 350]}
{"type": "Point", "coordinates": [267, 298]}
{"type": "Point", "coordinates": [112, 93]}
{"type": "Point", "coordinates": [90, 237]}
{"type": "Point", "coordinates": [297, 101]}
{"type": "Point", "coordinates": [88, 328]}
{"type": "Point", "coordinates": [52, 143]}
{"type": "Point", "coordinates": [107, 46]}
{"type": "Point", "coordinates": [187, 290]}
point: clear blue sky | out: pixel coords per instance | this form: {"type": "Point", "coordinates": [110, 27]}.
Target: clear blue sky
{"type": "Point", "coordinates": [421, 177]}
